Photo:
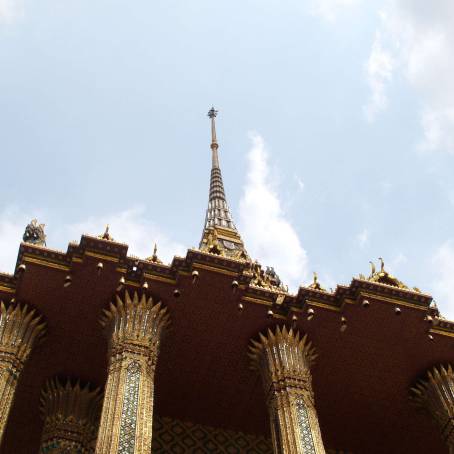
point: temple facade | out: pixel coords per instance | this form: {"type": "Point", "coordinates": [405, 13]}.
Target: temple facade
{"type": "Point", "coordinates": [101, 353]}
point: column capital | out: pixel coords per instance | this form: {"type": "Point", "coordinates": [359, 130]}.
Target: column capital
{"type": "Point", "coordinates": [284, 358]}
{"type": "Point", "coordinates": [71, 415]}
{"type": "Point", "coordinates": [134, 324]}
{"type": "Point", "coordinates": [20, 329]}
{"type": "Point", "coordinates": [435, 393]}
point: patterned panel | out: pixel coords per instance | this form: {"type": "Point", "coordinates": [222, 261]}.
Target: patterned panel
{"type": "Point", "coordinates": [176, 437]}
{"type": "Point", "coordinates": [129, 411]}
{"type": "Point", "coordinates": [56, 447]}
{"type": "Point", "coordinates": [305, 429]}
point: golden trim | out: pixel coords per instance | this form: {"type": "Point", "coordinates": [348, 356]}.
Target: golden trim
{"type": "Point", "coordinates": [295, 309]}
{"type": "Point", "coordinates": [212, 268]}
{"type": "Point", "coordinates": [77, 260]}
{"type": "Point", "coordinates": [122, 270]}
{"type": "Point", "coordinates": [393, 301]}
{"type": "Point", "coordinates": [258, 301]}
{"type": "Point", "coordinates": [159, 278]}
{"type": "Point", "coordinates": [7, 289]}
{"type": "Point", "coordinates": [102, 256]}
{"type": "Point", "coordinates": [44, 263]}
{"type": "Point", "coordinates": [323, 305]}
{"type": "Point", "coordinates": [132, 284]}
{"type": "Point", "coordinates": [441, 332]}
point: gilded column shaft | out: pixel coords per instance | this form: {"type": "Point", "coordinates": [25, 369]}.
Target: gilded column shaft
{"type": "Point", "coordinates": [134, 327]}
{"type": "Point", "coordinates": [20, 330]}
{"type": "Point", "coordinates": [71, 417]}
{"type": "Point", "coordinates": [435, 394]}
{"type": "Point", "coordinates": [284, 360]}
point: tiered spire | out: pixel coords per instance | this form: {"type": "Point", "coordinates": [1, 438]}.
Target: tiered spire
{"type": "Point", "coordinates": [220, 235]}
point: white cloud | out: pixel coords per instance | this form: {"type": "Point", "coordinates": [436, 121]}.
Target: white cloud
{"type": "Point", "coordinates": [129, 226]}
{"type": "Point", "coordinates": [443, 263]}
{"type": "Point", "coordinates": [397, 262]}
{"type": "Point", "coordinates": [418, 36]}
{"type": "Point", "coordinates": [10, 10]}
{"type": "Point", "coordinates": [379, 70]}
{"type": "Point", "coordinates": [363, 238]}
{"type": "Point", "coordinates": [300, 183]}
{"type": "Point", "coordinates": [329, 10]}
{"type": "Point", "coordinates": [438, 129]}
{"type": "Point", "coordinates": [268, 234]}
{"type": "Point", "coordinates": [133, 228]}
{"type": "Point", "coordinates": [386, 187]}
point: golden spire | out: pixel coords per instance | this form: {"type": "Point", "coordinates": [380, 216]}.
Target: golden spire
{"type": "Point", "coordinates": [220, 235]}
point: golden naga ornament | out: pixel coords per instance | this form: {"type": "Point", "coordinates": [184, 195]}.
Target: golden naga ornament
{"type": "Point", "coordinates": [383, 277]}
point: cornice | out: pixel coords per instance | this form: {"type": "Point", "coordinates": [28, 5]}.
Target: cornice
{"type": "Point", "coordinates": [136, 270]}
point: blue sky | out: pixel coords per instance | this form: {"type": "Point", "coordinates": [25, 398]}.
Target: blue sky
{"type": "Point", "coordinates": [336, 129]}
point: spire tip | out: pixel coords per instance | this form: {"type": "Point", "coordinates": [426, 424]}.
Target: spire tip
{"type": "Point", "coordinates": [212, 113]}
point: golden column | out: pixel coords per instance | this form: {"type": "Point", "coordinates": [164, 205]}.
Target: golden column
{"type": "Point", "coordinates": [71, 417]}
{"type": "Point", "coordinates": [284, 360]}
{"type": "Point", "coordinates": [134, 326]}
{"type": "Point", "coordinates": [20, 330]}
{"type": "Point", "coordinates": [435, 394]}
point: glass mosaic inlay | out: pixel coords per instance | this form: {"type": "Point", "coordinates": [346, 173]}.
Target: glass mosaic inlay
{"type": "Point", "coordinates": [129, 411]}
{"type": "Point", "coordinates": [305, 429]}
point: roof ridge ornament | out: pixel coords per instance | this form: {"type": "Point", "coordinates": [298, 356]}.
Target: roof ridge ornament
{"type": "Point", "coordinates": [154, 258]}
{"type": "Point", "coordinates": [315, 285]}
{"type": "Point", "coordinates": [383, 276]}
{"type": "Point", "coordinates": [106, 235]}
{"type": "Point", "coordinates": [34, 233]}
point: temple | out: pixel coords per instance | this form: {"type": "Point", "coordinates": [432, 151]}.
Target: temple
{"type": "Point", "coordinates": [102, 352]}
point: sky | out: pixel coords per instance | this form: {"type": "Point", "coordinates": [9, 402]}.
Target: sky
{"type": "Point", "coordinates": [335, 125]}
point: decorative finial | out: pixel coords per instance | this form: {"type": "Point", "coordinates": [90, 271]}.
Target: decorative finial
{"type": "Point", "coordinates": [34, 233]}
{"type": "Point", "coordinates": [315, 284]}
{"type": "Point", "coordinates": [373, 270]}
{"type": "Point", "coordinates": [382, 263]}
{"type": "Point", "coordinates": [106, 235]}
{"type": "Point", "coordinates": [383, 277]}
{"type": "Point", "coordinates": [154, 258]}
{"type": "Point", "coordinates": [212, 113]}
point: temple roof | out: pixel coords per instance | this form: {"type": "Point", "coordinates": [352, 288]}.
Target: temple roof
{"type": "Point", "coordinates": [374, 340]}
